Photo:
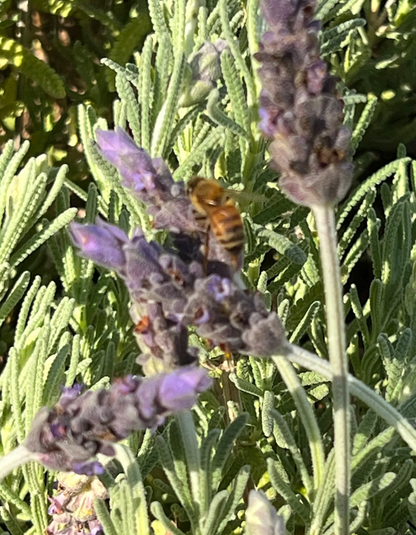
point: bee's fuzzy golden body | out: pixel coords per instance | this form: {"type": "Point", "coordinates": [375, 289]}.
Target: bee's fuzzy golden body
{"type": "Point", "coordinates": [217, 211]}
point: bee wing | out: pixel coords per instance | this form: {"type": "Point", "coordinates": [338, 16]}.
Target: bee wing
{"type": "Point", "coordinates": [244, 196]}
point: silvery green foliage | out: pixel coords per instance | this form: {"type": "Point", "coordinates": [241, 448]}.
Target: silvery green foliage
{"type": "Point", "coordinates": [194, 473]}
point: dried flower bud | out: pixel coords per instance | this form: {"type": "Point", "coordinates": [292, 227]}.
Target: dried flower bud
{"type": "Point", "coordinates": [72, 508]}
{"type": "Point", "coordinates": [261, 516]}
{"type": "Point", "coordinates": [79, 427]}
{"type": "Point", "coordinates": [299, 107]}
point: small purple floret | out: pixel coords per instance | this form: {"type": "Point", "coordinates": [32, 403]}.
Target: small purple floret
{"type": "Point", "coordinates": [88, 469]}
{"type": "Point", "coordinates": [133, 163]}
{"type": "Point", "coordinates": [103, 243]}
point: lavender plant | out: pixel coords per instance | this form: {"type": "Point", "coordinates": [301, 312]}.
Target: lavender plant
{"type": "Point", "coordinates": [192, 98]}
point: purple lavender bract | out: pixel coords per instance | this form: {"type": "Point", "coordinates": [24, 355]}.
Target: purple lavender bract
{"type": "Point", "coordinates": [300, 109]}
{"type": "Point", "coordinates": [67, 436]}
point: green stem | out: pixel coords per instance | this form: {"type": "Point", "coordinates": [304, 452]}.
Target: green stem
{"type": "Point", "coordinates": [325, 224]}
{"type": "Point", "coordinates": [379, 405]}
{"type": "Point", "coordinates": [307, 416]}
{"type": "Point", "coordinates": [14, 459]}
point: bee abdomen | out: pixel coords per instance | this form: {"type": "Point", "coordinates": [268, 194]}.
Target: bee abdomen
{"type": "Point", "coordinates": [228, 228]}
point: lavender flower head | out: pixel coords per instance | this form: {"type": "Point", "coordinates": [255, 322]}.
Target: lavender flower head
{"type": "Point", "coordinates": [172, 288]}
{"type": "Point", "coordinates": [81, 426]}
{"type": "Point", "coordinates": [299, 107]}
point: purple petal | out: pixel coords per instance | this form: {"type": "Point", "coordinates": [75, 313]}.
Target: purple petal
{"type": "Point", "coordinates": [133, 163]}
{"type": "Point", "coordinates": [93, 468]}
{"type": "Point", "coordinates": [69, 393]}
{"type": "Point", "coordinates": [179, 389]}
{"type": "Point", "coordinates": [103, 243]}
{"type": "Point", "coordinates": [95, 527]}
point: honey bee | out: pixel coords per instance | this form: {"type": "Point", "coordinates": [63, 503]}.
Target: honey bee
{"type": "Point", "coordinates": [215, 209]}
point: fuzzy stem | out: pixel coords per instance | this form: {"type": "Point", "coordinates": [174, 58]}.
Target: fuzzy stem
{"type": "Point", "coordinates": [307, 416]}
{"type": "Point", "coordinates": [325, 224]}
{"type": "Point", "coordinates": [14, 459]}
{"type": "Point", "coordinates": [379, 405]}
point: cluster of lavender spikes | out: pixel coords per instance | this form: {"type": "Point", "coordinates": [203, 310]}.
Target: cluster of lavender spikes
{"type": "Point", "coordinates": [299, 107]}
{"type": "Point", "coordinates": [170, 287]}
{"type": "Point", "coordinates": [81, 426]}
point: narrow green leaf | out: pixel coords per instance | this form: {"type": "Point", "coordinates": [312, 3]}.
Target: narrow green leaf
{"type": "Point", "coordinates": [158, 20]}
{"type": "Point", "coordinates": [54, 376]}
{"type": "Point", "coordinates": [240, 484]}
{"type": "Point", "coordinates": [215, 513]}
{"type": "Point", "coordinates": [378, 177]}
{"type": "Point", "coordinates": [14, 296]}
{"type": "Point", "coordinates": [358, 218]}
{"type": "Point", "coordinates": [104, 517]}
{"type": "Point", "coordinates": [245, 386]}
{"type": "Point", "coordinates": [145, 92]}
{"type": "Point", "coordinates": [287, 493]}
{"type": "Point", "coordinates": [207, 447]}
{"type": "Point", "coordinates": [324, 495]}
{"type": "Point", "coordinates": [284, 246]}
{"type": "Point", "coordinates": [48, 230]}
{"type": "Point", "coordinates": [157, 510]}
{"type": "Point", "coordinates": [305, 322]}
{"type": "Point", "coordinates": [294, 449]}
{"type": "Point", "coordinates": [165, 120]}
{"type": "Point", "coordinates": [235, 90]}
{"type": "Point", "coordinates": [372, 488]}
{"type": "Point", "coordinates": [225, 446]}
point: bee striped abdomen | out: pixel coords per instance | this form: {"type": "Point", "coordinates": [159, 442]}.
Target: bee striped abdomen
{"type": "Point", "coordinates": [214, 209]}
{"type": "Point", "coordinates": [227, 226]}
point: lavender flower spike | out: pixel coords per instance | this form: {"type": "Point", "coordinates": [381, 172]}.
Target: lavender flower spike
{"type": "Point", "coordinates": [300, 108]}
{"type": "Point", "coordinates": [79, 427]}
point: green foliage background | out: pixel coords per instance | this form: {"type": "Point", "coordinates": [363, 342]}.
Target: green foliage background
{"type": "Point", "coordinates": [62, 319]}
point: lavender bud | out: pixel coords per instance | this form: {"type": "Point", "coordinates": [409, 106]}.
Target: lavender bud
{"type": "Point", "coordinates": [102, 243]}
{"type": "Point", "coordinates": [134, 164]}
{"type": "Point", "coordinates": [170, 294]}
{"type": "Point", "coordinates": [68, 435]}
{"type": "Point", "coordinates": [299, 107]}
{"type": "Point", "coordinates": [261, 516]}
{"type": "Point", "coordinates": [203, 72]}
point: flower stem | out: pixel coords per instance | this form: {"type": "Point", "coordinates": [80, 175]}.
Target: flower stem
{"type": "Point", "coordinates": [14, 459]}
{"type": "Point", "coordinates": [325, 224]}
{"type": "Point", "coordinates": [379, 405]}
